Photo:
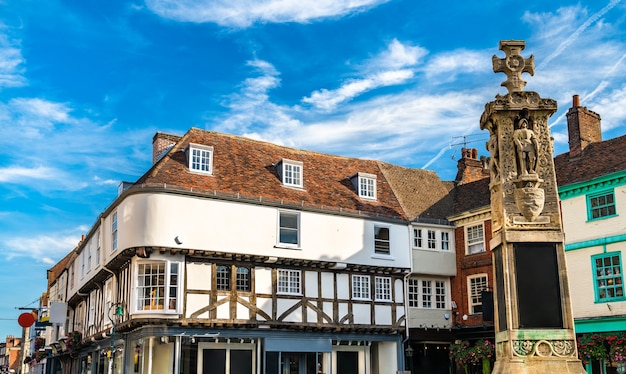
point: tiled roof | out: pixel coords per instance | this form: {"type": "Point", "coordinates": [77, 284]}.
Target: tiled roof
{"type": "Point", "coordinates": [247, 167]}
{"type": "Point", "coordinates": [420, 192]}
{"type": "Point", "coordinates": [472, 195]}
{"type": "Point", "coordinates": [55, 271]}
{"type": "Point", "coordinates": [596, 160]}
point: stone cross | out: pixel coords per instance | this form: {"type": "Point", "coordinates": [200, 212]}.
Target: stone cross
{"type": "Point", "coordinates": [513, 65]}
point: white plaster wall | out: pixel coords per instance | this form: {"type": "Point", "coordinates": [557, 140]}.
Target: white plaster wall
{"type": "Point", "coordinates": [361, 314]}
{"type": "Point", "coordinates": [242, 311]}
{"type": "Point", "coordinates": [328, 310]}
{"type": "Point", "coordinates": [311, 316]}
{"type": "Point", "coordinates": [265, 304]}
{"type": "Point", "coordinates": [282, 305]}
{"type": "Point", "coordinates": [342, 309]}
{"type": "Point", "coordinates": [430, 318]}
{"type": "Point", "coordinates": [223, 311]}
{"type": "Point", "coordinates": [328, 286]}
{"type": "Point", "coordinates": [382, 314]}
{"type": "Point", "coordinates": [155, 219]}
{"type": "Point", "coordinates": [387, 358]}
{"type": "Point", "coordinates": [434, 262]}
{"type": "Point", "coordinates": [263, 281]}
{"type": "Point", "coordinates": [581, 284]}
{"type": "Point", "coordinates": [399, 291]}
{"type": "Point", "coordinates": [578, 229]}
{"type": "Point", "coordinates": [343, 289]}
{"type": "Point", "coordinates": [196, 302]}
{"type": "Point", "coordinates": [198, 276]}
{"type": "Point", "coordinates": [310, 284]}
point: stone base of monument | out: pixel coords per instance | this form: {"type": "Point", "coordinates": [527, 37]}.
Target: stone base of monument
{"type": "Point", "coordinates": [538, 351]}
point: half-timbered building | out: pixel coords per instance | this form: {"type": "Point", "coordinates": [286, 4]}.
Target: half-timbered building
{"type": "Point", "coordinates": [231, 255]}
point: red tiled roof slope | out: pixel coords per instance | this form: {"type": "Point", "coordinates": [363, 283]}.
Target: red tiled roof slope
{"type": "Point", "coordinates": [420, 192]}
{"type": "Point", "coordinates": [596, 160]}
{"type": "Point", "coordinates": [472, 195]}
{"type": "Point", "coordinates": [246, 166]}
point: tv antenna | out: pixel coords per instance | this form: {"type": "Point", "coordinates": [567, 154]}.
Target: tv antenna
{"type": "Point", "coordinates": [466, 140]}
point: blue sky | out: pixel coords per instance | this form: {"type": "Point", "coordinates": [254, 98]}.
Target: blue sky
{"type": "Point", "coordinates": [85, 84]}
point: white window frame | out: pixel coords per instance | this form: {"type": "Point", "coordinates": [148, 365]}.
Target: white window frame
{"type": "Point", "coordinates": [381, 243]}
{"type": "Point", "coordinates": [200, 158]}
{"type": "Point", "coordinates": [427, 294]}
{"type": "Point", "coordinates": [473, 241]}
{"type": "Point", "coordinates": [169, 275]}
{"type": "Point", "coordinates": [290, 213]}
{"type": "Point", "coordinates": [432, 239]}
{"type": "Point", "coordinates": [114, 231]}
{"type": "Point", "coordinates": [418, 240]}
{"type": "Point", "coordinates": [382, 288]}
{"type": "Point", "coordinates": [474, 295]}
{"type": "Point", "coordinates": [361, 287]}
{"type": "Point", "coordinates": [97, 239]}
{"type": "Point", "coordinates": [441, 291]}
{"type": "Point", "coordinates": [83, 263]}
{"type": "Point", "coordinates": [366, 186]}
{"type": "Point", "coordinates": [289, 282]}
{"type": "Point", "coordinates": [445, 241]}
{"type": "Point", "coordinates": [414, 293]}
{"type": "Point", "coordinates": [291, 173]}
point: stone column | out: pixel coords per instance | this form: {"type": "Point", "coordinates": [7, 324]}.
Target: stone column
{"type": "Point", "coordinates": [533, 319]}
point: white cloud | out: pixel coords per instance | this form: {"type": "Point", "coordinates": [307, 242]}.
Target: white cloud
{"type": "Point", "coordinates": [43, 246]}
{"type": "Point", "coordinates": [398, 56]}
{"type": "Point", "coordinates": [11, 73]}
{"type": "Point", "coordinates": [15, 174]}
{"type": "Point", "coordinates": [447, 65]}
{"type": "Point", "coordinates": [573, 36]}
{"type": "Point", "coordinates": [244, 13]}
{"type": "Point", "coordinates": [391, 67]}
{"type": "Point", "coordinates": [328, 99]}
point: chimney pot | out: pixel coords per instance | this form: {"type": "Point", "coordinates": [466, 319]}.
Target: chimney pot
{"type": "Point", "coordinates": [576, 101]}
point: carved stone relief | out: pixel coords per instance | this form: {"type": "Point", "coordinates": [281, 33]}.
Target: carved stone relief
{"type": "Point", "coordinates": [544, 348]}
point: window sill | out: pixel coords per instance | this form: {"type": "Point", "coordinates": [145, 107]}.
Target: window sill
{"type": "Point", "coordinates": [589, 220]}
{"type": "Point", "coordinates": [200, 172]}
{"type": "Point", "coordinates": [611, 300]}
{"type": "Point", "coordinates": [475, 253]}
{"type": "Point", "coordinates": [287, 246]}
{"type": "Point", "coordinates": [433, 250]}
{"type": "Point", "coordinates": [383, 257]}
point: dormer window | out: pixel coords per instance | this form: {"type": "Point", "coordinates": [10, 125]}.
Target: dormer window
{"type": "Point", "coordinates": [365, 185]}
{"type": "Point", "coordinates": [290, 173]}
{"type": "Point", "coordinates": [200, 158]}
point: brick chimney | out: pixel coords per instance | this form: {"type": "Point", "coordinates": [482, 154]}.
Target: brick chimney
{"type": "Point", "coordinates": [583, 127]}
{"type": "Point", "coordinates": [470, 168]}
{"type": "Point", "coordinates": [161, 143]}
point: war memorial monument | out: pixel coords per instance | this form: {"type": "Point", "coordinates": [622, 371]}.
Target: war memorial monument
{"type": "Point", "coordinates": [534, 325]}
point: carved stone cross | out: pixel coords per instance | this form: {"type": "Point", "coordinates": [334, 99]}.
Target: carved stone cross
{"type": "Point", "coordinates": [513, 65]}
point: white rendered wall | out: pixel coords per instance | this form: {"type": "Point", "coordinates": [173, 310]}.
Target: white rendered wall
{"type": "Point", "coordinates": [576, 226]}
{"type": "Point", "coordinates": [151, 219]}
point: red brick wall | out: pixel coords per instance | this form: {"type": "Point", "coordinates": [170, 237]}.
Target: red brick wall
{"type": "Point", "coordinates": [583, 126]}
{"type": "Point", "coordinates": [468, 265]}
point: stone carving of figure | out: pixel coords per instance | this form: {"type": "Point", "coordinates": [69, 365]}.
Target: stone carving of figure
{"type": "Point", "coordinates": [526, 145]}
{"type": "Point", "coordinates": [492, 146]}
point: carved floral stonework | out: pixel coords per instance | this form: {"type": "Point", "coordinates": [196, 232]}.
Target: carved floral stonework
{"type": "Point", "coordinates": [544, 348]}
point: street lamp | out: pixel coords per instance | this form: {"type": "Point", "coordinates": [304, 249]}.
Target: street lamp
{"type": "Point", "coordinates": [119, 311]}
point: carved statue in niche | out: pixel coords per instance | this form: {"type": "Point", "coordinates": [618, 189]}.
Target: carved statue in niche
{"type": "Point", "coordinates": [526, 145]}
{"type": "Point", "coordinates": [494, 152]}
